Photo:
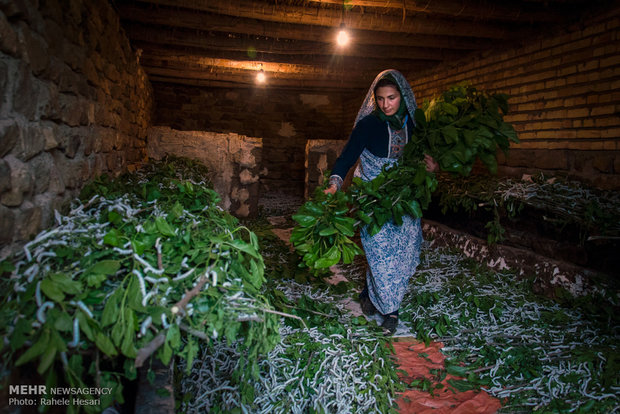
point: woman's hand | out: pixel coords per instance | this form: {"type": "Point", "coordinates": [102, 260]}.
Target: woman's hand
{"type": "Point", "coordinates": [431, 164]}
{"type": "Point", "coordinates": [331, 189]}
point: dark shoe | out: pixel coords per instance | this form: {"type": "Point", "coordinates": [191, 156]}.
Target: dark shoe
{"type": "Point", "coordinates": [367, 307]}
{"type": "Point", "coordinates": [390, 323]}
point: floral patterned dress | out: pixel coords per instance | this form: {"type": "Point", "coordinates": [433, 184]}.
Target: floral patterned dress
{"type": "Point", "coordinates": [393, 253]}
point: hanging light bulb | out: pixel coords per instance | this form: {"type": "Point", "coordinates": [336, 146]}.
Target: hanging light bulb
{"type": "Point", "coordinates": [260, 76]}
{"type": "Point", "coordinates": [343, 36]}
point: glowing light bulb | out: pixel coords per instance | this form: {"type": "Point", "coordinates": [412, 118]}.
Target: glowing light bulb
{"type": "Point", "coordinates": [260, 77]}
{"type": "Point", "coordinates": [343, 36]}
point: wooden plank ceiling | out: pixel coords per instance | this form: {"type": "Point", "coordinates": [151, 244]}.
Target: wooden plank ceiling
{"type": "Point", "coordinates": [226, 42]}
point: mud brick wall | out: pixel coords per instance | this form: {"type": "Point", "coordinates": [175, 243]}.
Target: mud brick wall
{"type": "Point", "coordinates": [565, 102]}
{"type": "Point", "coordinates": [284, 119]}
{"type": "Point", "coordinates": [233, 161]}
{"type": "Point", "coordinates": [74, 103]}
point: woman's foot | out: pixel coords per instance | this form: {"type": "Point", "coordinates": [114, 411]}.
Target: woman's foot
{"type": "Point", "coordinates": [390, 323]}
{"type": "Point", "coordinates": [367, 307]}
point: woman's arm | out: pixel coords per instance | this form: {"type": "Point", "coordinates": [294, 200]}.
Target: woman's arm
{"type": "Point", "coordinates": [349, 155]}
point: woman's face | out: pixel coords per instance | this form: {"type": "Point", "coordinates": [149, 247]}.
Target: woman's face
{"type": "Point", "coordinates": [388, 99]}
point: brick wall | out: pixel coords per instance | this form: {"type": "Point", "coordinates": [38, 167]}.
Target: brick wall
{"type": "Point", "coordinates": [284, 119]}
{"type": "Point", "coordinates": [565, 99]}
{"type": "Point", "coordinates": [74, 103]}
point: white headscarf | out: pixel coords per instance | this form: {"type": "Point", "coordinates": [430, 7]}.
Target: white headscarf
{"type": "Point", "coordinates": [406, 93]}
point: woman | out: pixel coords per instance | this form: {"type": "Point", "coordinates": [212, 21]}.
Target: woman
{"type": "Point", "coordinates": [383, 126]}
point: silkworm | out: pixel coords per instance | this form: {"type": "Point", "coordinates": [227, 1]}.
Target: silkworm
{"type": "Point", "coordinates": [76, 334]}
{"type": "Point", "coordinates": [184, 275]}
{"type": "Point", "coordinates": [123, 251]}
{"type": "Point", "coordinates": [41, 312]}
{"type": "Point", "coordinates": [84, 308]}
{"type": "Point", "coordinates": [145, 324]}
{"type": "Point", "coordinates": [58, 217]}
{"type": "Point", "coordinates": [147, 266]}
{"type": "Point", "coordinates": [140, 281]}
{"type": "Point", "coordinates": [31, 272]}
{"type": "Point", "coordinates": [147, 297]}
{"type": "Point", "coordinates": [37, 294]}
{"type": "Point", "coordinates": [156, 281]}
{"type": "Point", "coordinates": [44, 255]}
{"type": "Point", "coordinates": [164, 322]}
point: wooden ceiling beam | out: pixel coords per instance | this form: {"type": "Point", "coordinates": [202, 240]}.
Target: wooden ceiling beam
{"type": "Point", "coordinates": [156, 51]}
{"type": "Point", "coordinates": [258, 47]}
{"type": "Point", "coordinates": [247, 78]}
{"type": "Point", "coordinates": [175, 18]}
{"type": "Point", "coordinates": [478, 10]}
{"type": "Point", "coordinates": [208, 83]}
{"type": "Point", "coordinates": [225, 67]}
{"type": "Point", "coordinates": [332, 17]}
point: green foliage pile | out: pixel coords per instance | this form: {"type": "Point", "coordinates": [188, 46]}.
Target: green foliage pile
{"type": "Point", "coordinates": [86, 297]}
{"type": "Point", "coordinates": [456, 129]}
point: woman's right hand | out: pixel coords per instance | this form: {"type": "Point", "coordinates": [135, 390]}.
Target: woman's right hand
{"type": "Point", "coordinates": [331, 189]}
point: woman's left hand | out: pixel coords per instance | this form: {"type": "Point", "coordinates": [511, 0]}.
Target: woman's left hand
{"type": "Point", "coordinates": [431, 164]}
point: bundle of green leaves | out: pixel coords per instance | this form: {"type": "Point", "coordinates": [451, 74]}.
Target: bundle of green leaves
{"type": "Point", "coordinates": [460, 126]}
{"type": "Point", "coordinates": [148, 257]}
{"type": "Point", "coordinates": [399, 190]}
{"type": "Point", "coordinates": [323, 236]}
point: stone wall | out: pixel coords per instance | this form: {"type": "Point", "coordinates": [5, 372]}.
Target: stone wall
{"type": "Point", "coordinates": [565, 99]}
{"type": "Point", "coordinates": [321, 154]}
{"type": "Point", "coordinates": [234, 160]}
{"type": "Point", "coordinates": [74, 103]}
{"type": "Point", "coordinates": [284, 119]}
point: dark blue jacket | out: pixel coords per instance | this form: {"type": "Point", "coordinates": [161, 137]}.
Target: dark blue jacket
{"type": "Point", "coordinates": [371, 133]}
